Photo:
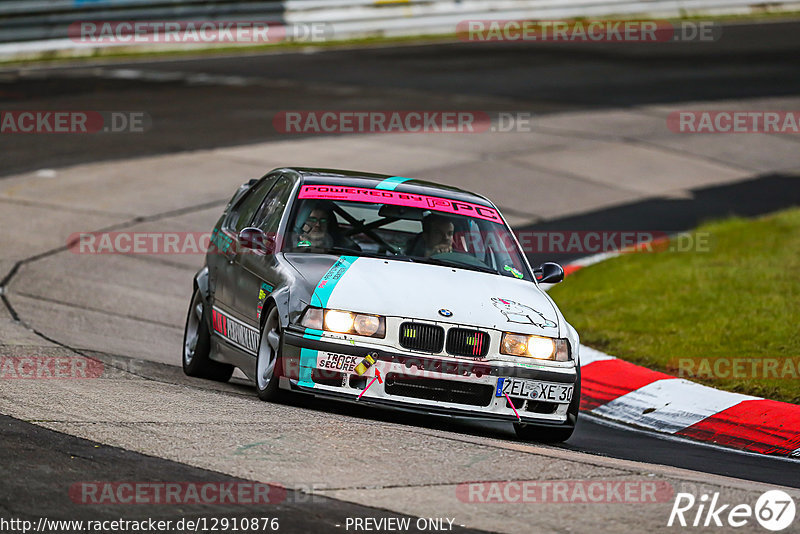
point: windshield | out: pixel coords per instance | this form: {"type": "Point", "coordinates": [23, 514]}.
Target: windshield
{"type": "Point", "coordinates": [402, 226]}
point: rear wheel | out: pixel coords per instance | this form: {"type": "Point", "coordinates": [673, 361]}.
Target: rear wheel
{"type": "Point", "coordinates": [554, 434]}
{"type": "Point", "coordinates": [197, 345]}
{"type": "Point", "coordinates": [268, 363]}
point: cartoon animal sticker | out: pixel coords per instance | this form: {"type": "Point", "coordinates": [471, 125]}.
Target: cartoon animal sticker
{"type": "Point", "coordinates": [519, 313]}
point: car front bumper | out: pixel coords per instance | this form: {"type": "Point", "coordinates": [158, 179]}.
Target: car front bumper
{"type": "Point", "coordinates": [420, 383]}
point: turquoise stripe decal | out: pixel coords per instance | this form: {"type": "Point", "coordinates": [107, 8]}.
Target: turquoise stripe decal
{"type": "Point", "coordinates": [390, 184]}
{"type": "Point", "coordinates": [322, 293]}
{"type": "Point", "coordinates": [312, 334]}
{"type": "Point", "coordinates": [308, 360]}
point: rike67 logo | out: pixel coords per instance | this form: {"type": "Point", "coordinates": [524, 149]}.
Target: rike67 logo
{"type": "Point", "coordinates": [774, 510]}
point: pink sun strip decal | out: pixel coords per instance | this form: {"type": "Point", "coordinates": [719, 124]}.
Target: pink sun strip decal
{"type": "Point", "coordinates": [378, 196]}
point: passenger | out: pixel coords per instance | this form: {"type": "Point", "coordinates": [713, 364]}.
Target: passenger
{"type": "Point", "coordinates": [436, 237]}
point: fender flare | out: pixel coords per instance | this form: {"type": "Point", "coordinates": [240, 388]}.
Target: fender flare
{"type": "Point", "coordinates": [201, 283]}
{"type": "Point", "coordinates": [280, 299]}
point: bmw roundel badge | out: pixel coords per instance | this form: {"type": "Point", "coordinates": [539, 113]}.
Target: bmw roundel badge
{"type": "Point", "coordinates": [445, 313]}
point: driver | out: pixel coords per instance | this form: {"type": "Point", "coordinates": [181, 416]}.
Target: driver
{"type": "Point", "coordinates": [314, 232]}
{"type": "Point", "coordinates": [437, 234]}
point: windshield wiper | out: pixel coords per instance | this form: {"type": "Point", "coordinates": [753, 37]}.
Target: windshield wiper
{"type": "Point", "coordinates": [450, 263]}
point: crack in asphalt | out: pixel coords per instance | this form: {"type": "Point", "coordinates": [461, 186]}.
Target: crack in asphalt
{"type": "Point", "coordinates": [566, 174]}
{"type": "Point", "coordinates": [161, 261]}
{"type": "Point", "coordinates": [539, 479]}
{"type": "Point", "coordinates": [59, 207]}
{"type": "Point", "coordinates": [4, 283]}
{"type": "Point", "coordinates": [628, 140]}
{"type": "Point", "coordinates": [98, 310]}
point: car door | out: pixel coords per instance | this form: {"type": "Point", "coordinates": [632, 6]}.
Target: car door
{"type": "Point", "coordinates": [239, 217]}
{"type": "Point", "coordinates": [259, 273]}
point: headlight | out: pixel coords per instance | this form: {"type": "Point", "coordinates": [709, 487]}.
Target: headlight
{"type": "Point", "coordinates": [344, 322]}
{"type": "Point", "coordinates": [338, 321]}
{"type": "Point", "coordinates": [541, 348]}
{"type": "Point", "coordinates": [312, 318]}
{"type": "Point", "coordinates": [514, 344]}
{"type": "Point", "coordinates": [367, 325]}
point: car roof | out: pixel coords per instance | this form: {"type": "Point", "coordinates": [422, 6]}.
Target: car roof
{"type": "Point", "coordinates": [339, 177]}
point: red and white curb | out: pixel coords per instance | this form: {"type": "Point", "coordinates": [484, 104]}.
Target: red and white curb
{"type": "Point", "coordinates": [620, 391]}
{"type": "Point", "coordinates": [626, 393]}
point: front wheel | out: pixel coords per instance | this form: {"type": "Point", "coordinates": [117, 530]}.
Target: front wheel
{"type": "Point", "coordinates": [269, 358]}
{"type": "Point", "coordinates": [197, 345]}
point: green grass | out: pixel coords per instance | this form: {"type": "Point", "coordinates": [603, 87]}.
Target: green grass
{"type": "Point", "coordinates": [122, 53]}
{"type": "Point", "coordinates": [740, 299]}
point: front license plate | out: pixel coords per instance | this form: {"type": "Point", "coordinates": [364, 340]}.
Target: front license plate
{"type": "Point", "coordinates": [534, 390]}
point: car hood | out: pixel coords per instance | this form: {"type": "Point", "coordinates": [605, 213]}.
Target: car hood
{"type": "Point", "coordinates": [421, 291]}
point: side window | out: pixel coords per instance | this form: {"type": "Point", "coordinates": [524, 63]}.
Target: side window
{"type": "Point", "coordinates": [242, 213]}
{"type": "Point", "coordinates": [269, 215]}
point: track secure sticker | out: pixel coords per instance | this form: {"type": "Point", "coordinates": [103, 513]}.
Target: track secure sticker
{"type": "Point", "coordinates": [337, 362]}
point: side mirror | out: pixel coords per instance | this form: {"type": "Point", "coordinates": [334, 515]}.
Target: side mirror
{"type": "Point", "coordinates": [254, 239]}
{"type": "Point", "coordinates": [549, 273]}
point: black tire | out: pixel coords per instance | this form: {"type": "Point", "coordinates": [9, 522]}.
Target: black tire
{"type": "Point", "coordinates": [197, 345]}
{"type": "Point", "coordinates": [268, 359]}
{"type": "Point", "coordinates": [554, 434]}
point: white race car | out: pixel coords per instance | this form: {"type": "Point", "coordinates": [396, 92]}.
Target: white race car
{"type": "Point", "coordinates": [383, 290]}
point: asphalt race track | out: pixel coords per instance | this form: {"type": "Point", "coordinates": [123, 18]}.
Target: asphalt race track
{"type": "Point", "coordinates": [599, 141]}
{"type": "Point", "coordinates": [747, 62]}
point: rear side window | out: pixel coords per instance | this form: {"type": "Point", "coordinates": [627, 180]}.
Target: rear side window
{"type": "Point", "coordinates": [269, 216]}
{"type": "Point", "coordinates": [242, 213]}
